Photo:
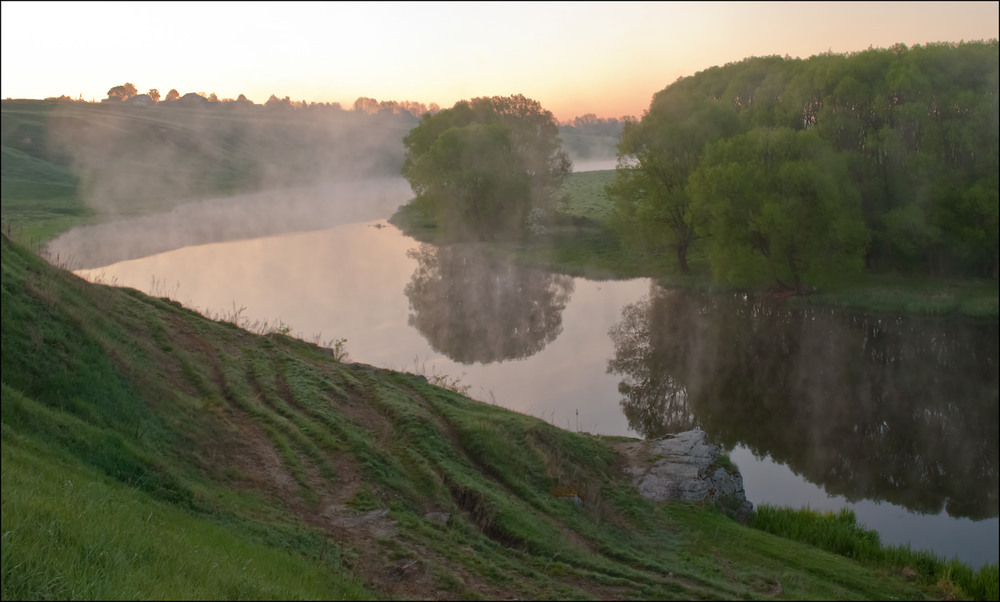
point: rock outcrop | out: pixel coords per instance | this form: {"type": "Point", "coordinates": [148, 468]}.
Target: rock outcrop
{"type": "Point", "coordinates": [686, 467]}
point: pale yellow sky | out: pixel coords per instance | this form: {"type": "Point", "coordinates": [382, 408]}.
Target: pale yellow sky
{"type": "Point", "coordinates": [606, 58]}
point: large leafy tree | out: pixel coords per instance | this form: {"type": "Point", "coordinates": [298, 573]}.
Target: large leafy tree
{"type": "Point", "coordinates": [480, 167]}
{"type": "Point", "coordinates": [915, 127]}
{"type": "Point", "coordinates": [777, 204]}
{"type": "Point", "coordinates": [656, 157]}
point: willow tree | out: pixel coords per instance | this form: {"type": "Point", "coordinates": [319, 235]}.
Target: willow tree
{"type": "Point", "coordinates": [777, 205]}
{"type": "Point", "coordinates": [479, 168]}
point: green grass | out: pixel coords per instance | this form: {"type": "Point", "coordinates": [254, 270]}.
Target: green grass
{"type": "Point", "coordinates": [585, 195]}
{"type": "Point", "coordinates": [840, 533]}
{"type": "Point", "coordinates": [40, 195]}
{"type": "Point", "coordinates": [149, 452]}
{"type": "Point", "coordinates": [887, 293]}
{"type": "Point", "coordinates": [71, 532]}
{"type": "Point", "coordinates": [40, 199]}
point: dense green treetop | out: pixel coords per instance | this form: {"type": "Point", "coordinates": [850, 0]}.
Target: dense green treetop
{"type": "Point", "coordinates": [778, 206]}
{"type": "Point", "coordinates": [481, 166]}
{"type": "Point", "coordinates": [912, 132]}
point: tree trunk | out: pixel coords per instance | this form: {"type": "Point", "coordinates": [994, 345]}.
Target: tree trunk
{"type": "Point", "coordinates": [682, 251]}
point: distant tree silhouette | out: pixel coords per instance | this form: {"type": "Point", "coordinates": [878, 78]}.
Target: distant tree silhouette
{"type": "Point", "coordinates": [278, 103]}
{"type": "Point", "coordinates": [154, 94]}
{"type": "Point", "coordinates": [417, 109]}
{"type": "Point", "coordinates": [173, 94]}
{"type": "Point", "coordinates": [123, 92]}
{"type": "Point", "coordinates": [366, 105]}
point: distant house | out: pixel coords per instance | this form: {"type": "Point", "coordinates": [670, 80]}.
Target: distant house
{"type": "Point", "coordinates": [142, 100]}
{"type": "Point", "coordinates": [193, 100]}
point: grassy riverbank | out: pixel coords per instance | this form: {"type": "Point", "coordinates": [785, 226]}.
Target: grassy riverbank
{"type": "Point", "coordinates": [149, 452]}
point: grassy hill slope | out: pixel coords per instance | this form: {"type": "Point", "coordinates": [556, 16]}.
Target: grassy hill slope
{"type": "Point", "coordinates": [149, 452]}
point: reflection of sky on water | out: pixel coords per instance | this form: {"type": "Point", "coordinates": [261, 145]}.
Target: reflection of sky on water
{"type": "Point", "coordinates": [240, 217]}
{"type": "Point", "coordinates": [565, 383]}
{"type": "Point", "coordinates": [974, 542]}
{"type": "Point", "coordinates": [581, 165]}
{"type": "Point", "coordinates": [348, 282]}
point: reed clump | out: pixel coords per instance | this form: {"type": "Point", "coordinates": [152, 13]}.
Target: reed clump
{"type": "Point", "coordinates": [840, 533]}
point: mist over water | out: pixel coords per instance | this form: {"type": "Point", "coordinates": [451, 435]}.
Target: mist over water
{"type": "Point", "coordinates": [135, 159]}
{"type": "Point", "coordinates": [237, 217]}
{"type": "Point", "coordinates": [175, 174]}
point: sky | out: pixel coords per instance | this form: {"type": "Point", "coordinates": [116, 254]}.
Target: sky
{"type": "Point", "coordinates": [575, 58]}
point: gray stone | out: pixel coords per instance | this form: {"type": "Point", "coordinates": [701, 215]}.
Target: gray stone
{"type": "Point", "coordinates": [685, 467]}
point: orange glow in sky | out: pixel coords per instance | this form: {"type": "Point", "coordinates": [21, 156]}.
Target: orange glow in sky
{"type": "Point", "coordinates": [607, 58]}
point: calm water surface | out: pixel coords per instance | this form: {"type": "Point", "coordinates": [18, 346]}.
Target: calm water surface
{"type": "Point", "coordinates": [894, 418]}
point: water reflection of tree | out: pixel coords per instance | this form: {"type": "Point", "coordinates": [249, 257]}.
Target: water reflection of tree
{"type": "Point", "coordinates": [870, 407]}
{"type": "Point", "coordinates": [655, 400]}
{"type": "Point", "coordinates": [474, 307]}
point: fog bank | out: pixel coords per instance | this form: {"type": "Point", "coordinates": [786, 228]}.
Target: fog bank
{"type": "Point", "coordinates": [235, 217]}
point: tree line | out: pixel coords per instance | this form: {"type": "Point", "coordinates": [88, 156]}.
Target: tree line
{"type": "Point", "coordinates": [127, 92]}
{"type": "Point", "coordinates": [506, 148]}
{"type": "Point", "coordinates": [799, 171]}
{"type": "Point", "coordinates": [591, 137]}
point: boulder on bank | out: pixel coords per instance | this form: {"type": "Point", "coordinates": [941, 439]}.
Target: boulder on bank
{"type": "Point", "coordinates": [685, 467]}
